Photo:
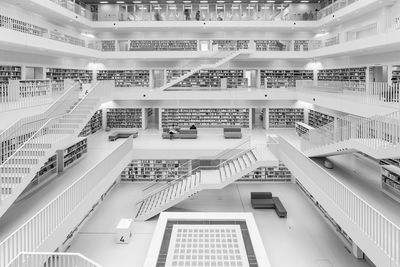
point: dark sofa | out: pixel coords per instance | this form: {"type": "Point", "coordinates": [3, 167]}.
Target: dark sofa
{"type": "Point", "coordinates": [265, 200]}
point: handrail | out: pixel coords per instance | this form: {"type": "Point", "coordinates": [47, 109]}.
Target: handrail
{"type": "Point", "coordinates": [47, 111]}
{"type": "Point", "coordinates": [195, 170]}
{"type": "Point", "coordinates": [355, 208]}
{"type": "Point", "coordinates": [60, 106]}
{"type": "Point", "coordinates": [41, 257]}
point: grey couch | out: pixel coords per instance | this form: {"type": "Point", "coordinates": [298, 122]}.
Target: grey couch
{"type": "Point", "coordinates": [232, 132]}
{"type": "Point", "coordinates": [180, 133]}
{"type": "Point", "coordinates": [265, 200]}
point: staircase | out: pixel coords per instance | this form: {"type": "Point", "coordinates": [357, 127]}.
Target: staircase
{"type": "Point", "coordinates": [202, 178]}
{"type": "Point", "coordinates": [17, 171]}
{"type": "Point", "coordinates": [217, 64]}
{"type": "Point", "coordinates": [378, 137]}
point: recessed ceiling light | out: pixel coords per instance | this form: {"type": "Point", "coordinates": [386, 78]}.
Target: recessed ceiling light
{"type": "Point", "coordinates": [288, 1]}
{"type": "Point", "coordinates": [220, 1]}
{"type": "Point", "coordinates": [103, 2]}
{"type": "Point", "coordinates": [170, 2]}
{"type": "Point", "coordinates": [120, 2]}
{"type": "Point", "coordinates": [304, 1]}
{"type": "Point", "coordinates": [153, 2]}
{"type": "Point", "coordinates": [269, 1]}
{"type": "Point", "coordinates": [204, 1]}
{"type": "Point", "coordinates": [237, 1]}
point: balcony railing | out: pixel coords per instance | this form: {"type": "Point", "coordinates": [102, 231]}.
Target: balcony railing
{"type": "Point", "coordinates": [363, 92]}
{"type": "Point", "coordinates": [36, 259]}
{"type": "Point", "coordinates": [29, 93]}
{"type": "Point", "coordinates": [205, 12]}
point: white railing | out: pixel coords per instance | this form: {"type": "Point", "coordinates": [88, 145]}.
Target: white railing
{"type": "Point", "coordinates": [28, 93]}
{"type": "Point", "coordinates": [378, 133]}
{"type": "Point", "coordinates": [17, 133]}
{"type": "Point", "coordinates": [40, 259]}
{"type": "Point", "coordinates": [363, 92]}
{"type": "Point", "coordinates": [31, 235]}
{"type": "Point", "coordinates": [383, 235]}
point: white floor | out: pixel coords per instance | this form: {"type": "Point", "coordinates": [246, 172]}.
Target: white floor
{"type": "Point", "coordinates": [303, 239]}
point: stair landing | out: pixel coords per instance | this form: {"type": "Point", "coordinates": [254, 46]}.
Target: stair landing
{"type": "Point", "coordinates": [210, 177]}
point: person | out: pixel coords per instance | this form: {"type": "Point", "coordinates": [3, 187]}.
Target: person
{"type": "Point", "coordinates": [193, 127]}
{"type": "Point", "coordinates": [198, 15]}
{"type": "Point", "coordinates": [157, 16]}
{"type": "Point", "coordinates": [186, 12]}
{"type": "Point", "coordinates": [219, 18]}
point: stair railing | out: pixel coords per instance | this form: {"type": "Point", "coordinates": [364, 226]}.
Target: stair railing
{"type": "Point", "coordinates": [45, 137]}
{"type": "Point", "coordinates": [377, 132]}
{"type": "Point", "coordinates": [53, 259]}
{"type": "Point", "coordinates": [224, 156]}
{"type": "Point", "coordinates": [17, 133]}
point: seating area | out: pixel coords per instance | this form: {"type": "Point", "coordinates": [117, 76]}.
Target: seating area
{"type": "Point", "coordinates": [179, 133]}
{"type": "Point", "coordinates": [265, 200]}
{"type": "Point", "coordinates": [116, 135]}
{"type": "Point", "coordinates": [233, 133]}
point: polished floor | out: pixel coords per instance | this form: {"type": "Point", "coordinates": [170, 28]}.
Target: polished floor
{"type": "Point", "coordinates": [304, 239]}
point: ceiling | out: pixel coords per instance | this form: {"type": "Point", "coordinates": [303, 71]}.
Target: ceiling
{"type": "Point", "coordinates": [192, 1]}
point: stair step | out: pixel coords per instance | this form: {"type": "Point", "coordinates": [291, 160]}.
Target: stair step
{"type": "Point", "coordinates": [65, 125]}
{"type": "Point", "coordinates": [237, 165]}
{"type": "Point", "coordinates": [251, 157]}
{"type": "Point", "coordinates": [71, 121]}
{"type": "Point", "coordinates": [11, 180]}
{"type": "Point", "coordinates": [31, 152]}
{"type": "Point", "coordinates": [232, 167]}
{"type": "Point", "coordinates": [222, 173]}
{"type": "Point", "coordinates": [61, 131]}
{"type": "Point", "coordinates": [227, 171]}
{"type": "Point", "coordinates": [32, 160]}
{"type": "Point", "coordinates": [242, 163]}
{"type": "Point", "coordinates": [246, 159]}
{"type": "Point", "coordinates": [37, 145]}
{"type": "Point", "coordinates": [75, 116]}
{"type": "Point", "coordinates": [198, 177]}
{"type": "Point", "coordinates": [14, 168]}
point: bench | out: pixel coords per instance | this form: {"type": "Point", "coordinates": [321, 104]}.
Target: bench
{"type": "Point", "coordinates": [116, 135]}
{"type": "Point", "coordinates": [232, 133]}
{"type": "Point", "coordinates": [180, 134]}
{"type": "Point", "coordinates": [279, 208]}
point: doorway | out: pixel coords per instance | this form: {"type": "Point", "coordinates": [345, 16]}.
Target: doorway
{"type": "Point", "coordinates": [158, 78]}
{"type": "Point", "coordinates": [258, 118]}
{"type": "Point", "coordinates": [152, 118]}
{"type": "Point", "coordinates": [251, 76]}
{"type": "Point", "coordinates": [378, 74]}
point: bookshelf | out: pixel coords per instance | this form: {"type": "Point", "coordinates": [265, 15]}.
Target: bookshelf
{"type": "Point", "coordinates": [163, 45]}
{"type": "Point", "coordinates": [396, 75]}
{"type": "Point", "coordinates": [273, 45]}
{"type": "Point", "coordinates": [21, 26]}
{"type": "Point", "coordinates": [301, 45]}
{"type": "Point", "coordinates": [9, 146]}
{"type": "Point", "coordinates": [285, 117]}
{"type": "Point", "coordinates": [124, 118]}
{"type": "Point", "coordinates": [302, 128]}
{"type": "Point", "coordinates": [9, 73]}
{"type": "Point", "coordinates": [126, 78]}
{"type": "Point", "coordinates": [278, 173]}
{"type": "Point", "coordinates": [231, 45]}
{"type": "Point", "coordinates": [32, 88]}
{"type": "Point", "coordinates": [205, 117]}
{"type": "Point", "coordinates": [155, 169]}
{"type": "Point", "coordinates": [318, 119]}
{"type": "Point", "coordinates": [58, 74]}
{"type": "Point", "coordinates": [209, 78]}
{"type": "Point", "coordinates": [345, 74]}
{"type": "Point", "coordinates": [108, 45]}
{"type": "Point", "coordinates": [284, 78]}
{"type": "Point", "coordinates": [95, 124]}
{"type": "Point", "coordinates": [391, 181]}
{"type": "Point", "coordinates": [66, 157]}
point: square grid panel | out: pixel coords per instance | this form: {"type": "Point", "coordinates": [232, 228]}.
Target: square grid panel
{"type": "Point", "coordinates": [207, 245]}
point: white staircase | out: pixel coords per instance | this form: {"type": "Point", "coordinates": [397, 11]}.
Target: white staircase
{"type": "Point", "coordinates": [378, 137]}
{"type": "Point", "coordinates": [20, 168]}
{"type": "Point", "coordinates": [202, 178]}
{"type": "Point", "coordinates": [217, 64]}
{"type": "Point", "coordinates": [52, 259]}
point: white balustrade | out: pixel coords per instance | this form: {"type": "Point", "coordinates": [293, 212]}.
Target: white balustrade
{"type": "Point", "coordinates": [48, 259]}
{"type": "Point", "coordinates": [31, 235]}
{"type": "Point", "coordinates": [383, 235]}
